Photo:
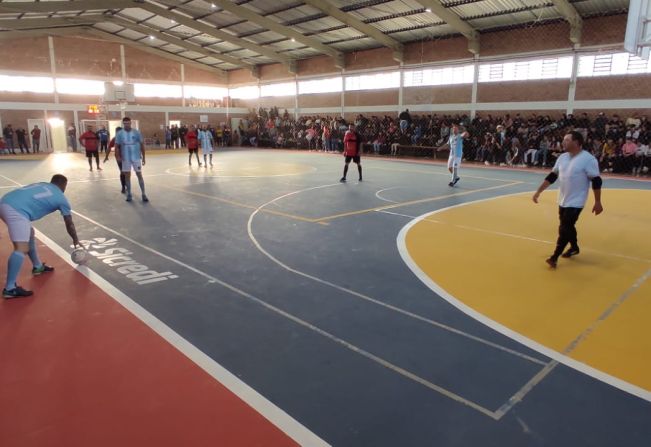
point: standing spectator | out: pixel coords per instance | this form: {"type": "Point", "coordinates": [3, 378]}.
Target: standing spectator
{"type": "Point", "coordinates": [576, 169]}
{"type": "Point", "coordinates": [36, 139]}
{"type": "Point", "coordinates": [168, 137]}
{"type": "Point", "coordinates": [325, 137]}
{"type": "Point", "coordinates": [175, 136]}
{"type": "Point", "coordinates": [22, 141]}
{"type": "Point", "coordinates": [629, 150]}
{"type": "Point", "coordinates": [104, 138]}
{"type": "Point", "coordinates": [351, 151]}
{"type": "Point", "coordinates": [405, 120]}
{"type": "Point", "coordinates": [8, 134]}
{"type": "Point", "coordinates": [183, 130]}
{"type": "Point", "coordinates": [90, 142]}
{"type": "Point", "coordinates": [72, 137]}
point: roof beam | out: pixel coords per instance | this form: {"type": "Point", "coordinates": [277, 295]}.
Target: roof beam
{"type": "Point", "coordinates": [449, 17]}
{"type": "Point", "coordinates": [174, 40]}
{"type": "Point", "coordinates": [38, 33]}
{"type": "Point", "coordinates": [276, 27]}
{"type": "Point", "coordinates": [213, 31]}
{"type": "Point", "coordinates": [569, 12]}
{"type": "Point", "coordinates": [371, 31]}
{"type": "Point", "coordinates": [78, 5]}
{"type": "Point", "coordinates": [105, 35]}
{"type": "Point", "coordinates": [29, 23]}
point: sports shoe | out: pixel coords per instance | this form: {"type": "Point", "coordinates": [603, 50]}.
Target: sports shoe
{"type": "Point", "coordinates": [44, 268]}
{"type": "Point", "coordinates": [456, 180]}
{"type": "Point", "coordinates": [123, 191]}
{"type": "Point", "coordinates": [571, 252]}
{"type": "Point", "coordinates": [360, 179]}
{"type": "Point", "coordinates": [342, 180]}
{"type": "Point", "coordinates": [145, 198]}
{"type": "Point", "coordinates": [129, 198]}
{"type": "Point", "coordinates": [451, 184]}
{"type": "Point", "coordinates": [16, 292]}
{"type": "Point", "coordinates": [551, 262]}
{"type": "Point", "coordinates": [99, 169]}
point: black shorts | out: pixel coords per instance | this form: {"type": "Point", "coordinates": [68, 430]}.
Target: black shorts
{"type": "Point", "coordinates": [193, 151]}
{"type": "Point", "coordinates": [354, 158]}
{"type": "Point", "coordinates": [91, 154]}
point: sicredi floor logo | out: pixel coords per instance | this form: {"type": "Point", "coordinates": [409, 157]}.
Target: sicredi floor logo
{"type": "Point", "coordinates": [120, 259]}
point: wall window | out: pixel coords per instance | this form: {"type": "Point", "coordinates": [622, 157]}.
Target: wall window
{"type": "Point", "coordinates": [79, 87]}
{"type": "Point", "coordinates": [204, 92]}
{"type": "Point", "coordinates": [612, 64]}
{"type": "Point", "coordinates": [373, 81]}
{"type": "Point", "coordinates": [157, 90]}
{"type": "Point", "coordinates": [440, 76]}
{"type": "Point", "coordinates": [250, 92]}
{"type": "Point", "coordinates": [33, 84]}
{"type": "Point", "coordinates": [280, 89]}
{"type": "Point", "coordinates": [526, 70]}
{"type": "Point", "coordinates": [328, 85]}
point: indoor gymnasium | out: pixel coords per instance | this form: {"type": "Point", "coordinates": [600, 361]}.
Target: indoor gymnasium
{"type": "Point", "coordinates": [325, 223]}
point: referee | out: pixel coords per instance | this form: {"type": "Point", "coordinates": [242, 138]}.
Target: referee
{"type": "Point", "coordinates": [576, 169]}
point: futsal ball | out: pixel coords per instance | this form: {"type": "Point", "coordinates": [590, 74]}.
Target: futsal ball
{"type": "Point", "coordinates": [79, 256]}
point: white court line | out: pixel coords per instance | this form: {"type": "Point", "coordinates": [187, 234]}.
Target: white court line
{"type": "Point", "coordinates": [377, 194]}
{"type": "Point", "coordinates": [306, 324]}
{"type": "Point", "coordinates": [255, 400]}
{"type": "Point", "coordinates": [559, 357]}
{"type": "Point", "coordinates": [368, 298]}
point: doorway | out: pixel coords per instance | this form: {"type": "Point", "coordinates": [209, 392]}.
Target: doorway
{"type": "Point", "coordinates": [58, 134]}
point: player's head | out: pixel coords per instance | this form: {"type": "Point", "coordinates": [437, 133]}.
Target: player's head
{"type": "Point", "coordinates": [455, 128]}
{"type": "Point", "coordinates": [60, 180]}
{"type": "Point", "coordinates": [351, 126]}
{"type": "Point", "coordinates": [89, 128]}
{"type": "Point", "coordinates": [573, 141]}
{"type": "Point", "coordinates": [126, 123]}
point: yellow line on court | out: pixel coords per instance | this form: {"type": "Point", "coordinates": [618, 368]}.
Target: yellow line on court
{"type": "Point", "coordinates": [413, 202]}
{"type": "Point", "coordinates": [416, 171]}
{"type": "Point", "coordinates": [242, 205]}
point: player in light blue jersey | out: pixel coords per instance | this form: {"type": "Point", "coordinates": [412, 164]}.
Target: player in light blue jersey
{"type": "Point", "coordinates": [130, 151]}
{"type": "Point", "coordinates": [455, 143]}
{"type": "Point", "coordinates": [206, 142]}
{"type": "Point", "coordinates": [18, 209]}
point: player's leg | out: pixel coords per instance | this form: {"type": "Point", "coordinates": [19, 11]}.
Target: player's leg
{"type": "Point", "coordinates": [346, 163]}
{"type": "Point", "coordinates": [126, 170]}
{"type": "Point", "coordinates": [358, 161]}
{"type": "Point", "coordinates": [141, 181]}
{"type": "Point", "coordinates": [89, 156]}
{"type": "Point", "coordinates": [19, 231]}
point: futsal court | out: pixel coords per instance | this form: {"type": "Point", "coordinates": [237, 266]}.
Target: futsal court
{"type": "Point", "coordinates": [280, 307]}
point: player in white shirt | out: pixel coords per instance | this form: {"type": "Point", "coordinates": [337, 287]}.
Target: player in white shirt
{"type": "Point", "coordinates": [130, 150]}
{"type": "Point", "coordinates": [455, 143]}
{"type": "Point", "coordinates": [576, 169]}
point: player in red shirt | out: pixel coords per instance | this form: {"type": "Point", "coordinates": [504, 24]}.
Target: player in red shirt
{"type": "Point", "coordinates": [193, 144]}
{"type": "Point", "coordinates": [352, 151]}
{"type": "Point", "coordinates": [90, 142]}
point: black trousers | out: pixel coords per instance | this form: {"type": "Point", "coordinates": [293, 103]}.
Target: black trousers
{"type": "Point", "coordinates": [566, 229]}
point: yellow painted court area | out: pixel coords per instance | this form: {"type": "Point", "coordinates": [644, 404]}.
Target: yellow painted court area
{"type": "Point", "coordinates": [490, 256]}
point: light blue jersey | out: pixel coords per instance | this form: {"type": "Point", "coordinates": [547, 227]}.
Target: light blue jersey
{"type": "Point", "coordinates": [205, 137]}
{"type": "Point", "coordinates": [37, 200]}
{"type": "Point", "coordinates": [456, 145]}
{"type": "Point", "coordinates": [129, 144]}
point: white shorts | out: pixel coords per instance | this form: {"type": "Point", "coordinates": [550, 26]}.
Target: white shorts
{"type": "Point", "coordinates": [206, 150]}
{"type": "Point", "coordinates": [454, 162]}
{"type": "Point", "coordinates": [19, 226]}
{"type": "Point", "coordinates": [128, 164]}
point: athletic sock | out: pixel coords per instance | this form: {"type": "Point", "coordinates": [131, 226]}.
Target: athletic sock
{"type": "Point", "coordinates": [13, 268]}
{"type": "Point", "coordinates": [33, 254]}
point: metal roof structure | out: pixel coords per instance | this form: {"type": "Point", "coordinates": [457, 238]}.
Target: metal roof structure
{"type": "Point", "coordinates": [227, 34]}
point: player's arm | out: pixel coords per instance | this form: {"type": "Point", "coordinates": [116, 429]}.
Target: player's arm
{"type": "Point", "coordinates": [70, 228]}
{"type": "Point", "coordinates": [595, 179]}
{"type": "Point", "coordinates": [142, 150]}
{"type": "Point", "coordinates": [551, 178]}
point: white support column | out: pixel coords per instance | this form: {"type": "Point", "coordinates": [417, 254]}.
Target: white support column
{"type": "Point", "coordinates": [343, 91]}
{"type": "Point", "coordinates": [75, 118]}
{"type": "Point", "coordinates": [475, 85]}
{"type": "Point", "coordinates": [53, 66]}
{"type": "Point", "coordinates": [402, 84]}
{"type": "Point", "coordinates": [571, 93]}
{"type": "Point", "coordinates": [182, 85]}
{"type": "Point", "coordinates": [167, 118]}
{"type": "Point", "coordinates": [296, 97]}
{"type": "Point", "coordinates": [123, 64]}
